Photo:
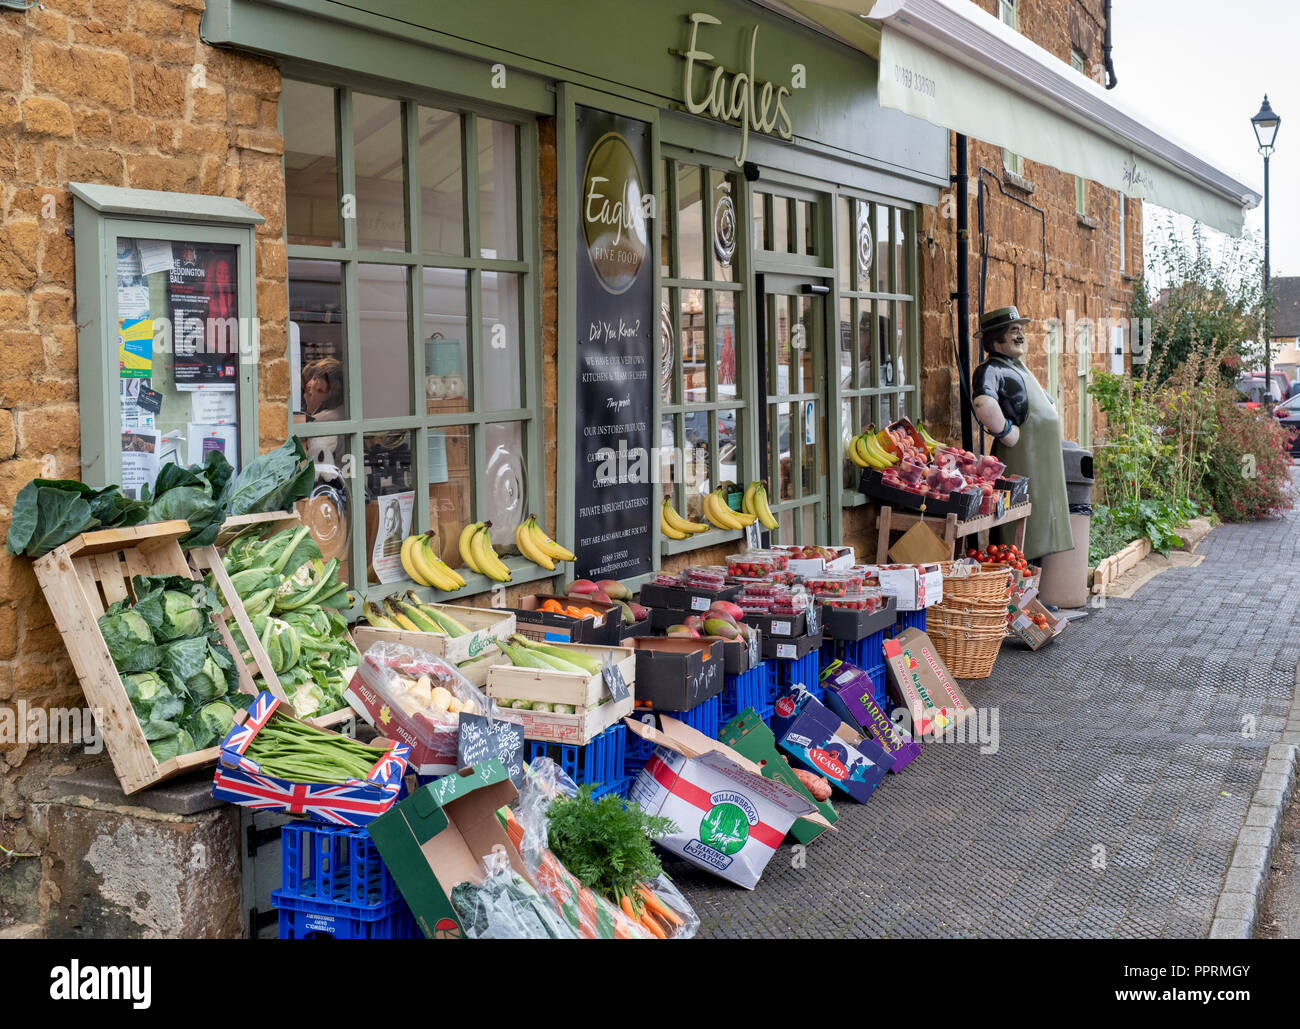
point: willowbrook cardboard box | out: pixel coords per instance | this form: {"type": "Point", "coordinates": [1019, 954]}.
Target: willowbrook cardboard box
{"type": "Point", "coordinates": [749, 736]}
{"type": "Point", "coordinates": [730, 819]}
{"type": "Point", "coordinates": [437, 838]}
{"type": "Point", "coordinates": [922, 681]}
{"type": "Point", "coordinates": [851, 693]}
{"type": "Point", "coordinates": [822, 743]}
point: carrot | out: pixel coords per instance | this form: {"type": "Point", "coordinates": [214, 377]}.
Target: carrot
{"type": "Point", "coordinates": [625, 902]}
{"type": "Point", "coordinates": [649, 922]}
{"type": "Point", "coordinates": [658, 906]}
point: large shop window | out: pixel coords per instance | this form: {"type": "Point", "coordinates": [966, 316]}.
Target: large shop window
{"type": "Point", "coordinates": [415, 376]}
{"type": "Point", "coordinates": [167, 332]}
{"type": "Point", "coordinates": [702, 402]}
{"type": "Point", "coordinates": [879, 364]}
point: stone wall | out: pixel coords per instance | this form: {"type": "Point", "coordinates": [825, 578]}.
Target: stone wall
{"type": "Point", "coordinates": [1082, 258]}
{"type": "Point", "coordinates": [121, 93]}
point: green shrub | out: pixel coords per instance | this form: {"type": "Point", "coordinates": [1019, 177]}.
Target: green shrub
{"type": "Point", "coordinates": [1249, 470]}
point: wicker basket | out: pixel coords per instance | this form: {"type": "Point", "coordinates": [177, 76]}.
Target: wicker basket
{"type": "Point", "coordinates": [970, 617]}
{"type": "Point", "coordinates": [968, 653]}
{"type": "Point", "coordinates": [991, 583]}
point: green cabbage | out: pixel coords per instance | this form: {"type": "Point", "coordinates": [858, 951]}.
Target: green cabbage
{"type": "Point", "coordinates": [172, 746]}
{"type": "Point", "coordinates": [130, 642]}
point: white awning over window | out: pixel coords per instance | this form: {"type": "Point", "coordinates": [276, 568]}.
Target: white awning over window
{"type": "Point", "coordinates": [957, 66]}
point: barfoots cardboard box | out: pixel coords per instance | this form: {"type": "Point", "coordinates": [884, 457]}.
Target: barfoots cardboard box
{"type": "Point", "coordinates": [730, 819]}
{"type": "Point", "coordinates": [851, 693]}
{"type": "Point", "coordinates": [825, 745]}
{"type": "Point", "coordinates": [437, 838]}
{"type": "Point", "coordinates": [922, 682]}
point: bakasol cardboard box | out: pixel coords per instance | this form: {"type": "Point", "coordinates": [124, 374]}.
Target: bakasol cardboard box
{"type": "Point", "coordinates": [912, 586]}
{"type": "Point", "coordinates": [922, 682]}
{"type": "Point", "coordinates": [730, 819]}
{"type": "Point", "coordinates": [437, 838]}
{"type": "Point", "coordinates": [820, 741]}
{"type": "Point", "coordinates": [851, 693]}
{"type": "Point", "coordinates": [1021, 610]}
{"type": "Point", "coordinates": [749, 736]}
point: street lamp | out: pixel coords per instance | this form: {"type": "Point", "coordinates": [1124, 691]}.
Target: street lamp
{"type": "Point", "coordinates": [1265, 124]}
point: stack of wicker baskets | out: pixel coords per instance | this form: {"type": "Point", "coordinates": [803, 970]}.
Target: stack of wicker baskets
{"type": "Point", "coordinates": [969, 625]}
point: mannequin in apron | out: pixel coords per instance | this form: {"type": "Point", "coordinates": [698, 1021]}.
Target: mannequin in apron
{"type": "Point", "coordinates": [1011, 405]}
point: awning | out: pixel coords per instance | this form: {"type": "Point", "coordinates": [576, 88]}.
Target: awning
{"type": "Point", "coordinates": [957, 66]}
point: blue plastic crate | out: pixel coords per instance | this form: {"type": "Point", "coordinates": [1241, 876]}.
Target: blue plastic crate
{"type": "Point", "coordinates": [784, 672]}
{"type": "Point", "coordinates": [334, 863]}
{"type": "Point", "coordinates": [302, 919]}
{"type": "Point", "coordinates": [618, 789]}
{"type": "Point", "coordinates": [600, 761]}
{"type": "Point", "coordinates": [749, 689]}
{"type": "Point", "coordinates": [909, 620]}
{"type": "Point", "coordinates": [865, 653]}
{"type": "Point", "coordinates": [706, 718]}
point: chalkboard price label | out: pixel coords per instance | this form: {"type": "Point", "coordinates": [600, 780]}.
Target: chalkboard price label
{"type": "Point", "coordinates": [614, 682]}
{"type": "Point", "coordinates": [482, 738]}
{"type": "Point", "coordinates": [753, 535]}
{"type": "Point", "coordinates": [813, 620]}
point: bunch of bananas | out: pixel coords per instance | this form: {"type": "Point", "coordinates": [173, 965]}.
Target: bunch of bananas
{"type": "Point", "coordinates": [865, 451]}
{"type": "Point", "coordinates": [410, 612]}
{"type": "Point", "coordinates": [426, 567]}
{"type": "Point", "coordinates": [931, 444]}
{"type": "Point", "coordinates": [538, 547]}
{"type": "Point", "coordinates": [717, 512]}
{"type": "Point", "coordinates": [674, 526]}
{"type": "Point", "coordinates": [477, 553]}
{"type": "Point", "coordinates": [755, 503]}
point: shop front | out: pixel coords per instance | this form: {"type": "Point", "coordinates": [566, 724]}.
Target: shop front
{"type": "Point", "coordinates": [541, 262]}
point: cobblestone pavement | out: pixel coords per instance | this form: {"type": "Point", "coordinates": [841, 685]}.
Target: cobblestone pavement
{"type": "Point", "coordinates": [1125, 734]}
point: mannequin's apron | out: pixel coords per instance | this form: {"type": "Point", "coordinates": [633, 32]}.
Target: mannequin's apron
{"type": "Point", "coordinates": [1037, 454]}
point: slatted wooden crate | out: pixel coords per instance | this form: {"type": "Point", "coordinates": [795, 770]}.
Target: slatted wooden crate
{"type": "Point", "coordinates": [262, 525]}
{"type": "Point", "coordinates": [80, 579]}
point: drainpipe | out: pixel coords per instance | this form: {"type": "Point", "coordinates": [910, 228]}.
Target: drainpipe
{"type": "Point", "coordinates": [1106, 61]}
{"type": "Point", "coordinates": [962, 295]}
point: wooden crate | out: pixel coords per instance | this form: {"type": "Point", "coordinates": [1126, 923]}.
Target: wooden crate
{"type": "Point", "coordinates": [80, 579]}
{"type": "Point", "coordinates": [485, 624]}
{"type": "Point", "coordinates": [507, 682]}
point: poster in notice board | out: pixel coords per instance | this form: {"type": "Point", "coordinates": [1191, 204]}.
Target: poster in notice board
{"type": "Point", "coordinates": [202, 298]}
{"type": "Point", "coordinates": [616, 322]}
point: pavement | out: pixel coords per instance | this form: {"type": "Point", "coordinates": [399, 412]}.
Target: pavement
{"type": "Point", "coordinates": [1128, 752]}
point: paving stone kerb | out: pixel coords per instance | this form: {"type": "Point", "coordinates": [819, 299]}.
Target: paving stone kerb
{"type": "Point", "coordinates": [1129, 756]}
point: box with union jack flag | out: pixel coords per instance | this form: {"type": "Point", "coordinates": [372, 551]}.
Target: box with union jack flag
{"type": "Point", "coordinates": [240, 779]}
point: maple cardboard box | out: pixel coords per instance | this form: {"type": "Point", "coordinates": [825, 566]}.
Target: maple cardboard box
{"type": "Point", "coordinates": [823, 744]}
{"type": "Point", "coordinates": [548, 627]}
{"type": "Point", "coordinates": [913, 587]}
{"type": "Point", "coordinates": [923, 683]}
{"type": "Point", "coordinates": [1020, 613]}
{"type": "Point", "coordinates": [678, 674]}
{"type": "Point", "coordinates": [749, 736]}
{"type": "Point", "coordinates": [486, 627]}
{"type": "Point", "coordinates": [730, 819]}
{"type": "Point", "coordinates": [851, 693]}
{"type": "Point", "coordinates": [437, 838]}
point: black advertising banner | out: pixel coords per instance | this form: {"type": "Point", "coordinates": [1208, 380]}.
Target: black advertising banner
{"type": "Point", "coordinates": [615, 346]}
{"type": "Point", "coordinates": [203, 304]}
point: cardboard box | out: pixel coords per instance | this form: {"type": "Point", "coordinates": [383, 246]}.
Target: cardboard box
{"type": "Point", "coordinates": [815, 566]}
{"type": "Point", "coordinates": [432, 744]}
{"type": "Point", "coordinates": [506, 682]}
{"type": "Point", "coordinates": [240, 780]}
{"type": "Point", "coordinates": [816, 737]}
{"type": "Point", "coordinates": [778, 625]}
{"type": "Point", "coordinates": [730, 819]}
{"type": "Point", "coordinates": [487, 625]}
{"type": "Point", "coordinates": [750, 737]}
{"type": "Point", "coordinates": [841, 624]}
{"type": "Point", "coordinates": [913, 587]}
{"type": "Point", "coordinates": [678, 674]}
{"type": "Point", "coordinates": [965, 504]}
{"type": "Point", "coordinates": [437, 838]}
{"type": "Point", "coordinates": [1016, 487]}
{"type": "Point", "coordinates": [1020, 611]}
{"type": "Point", "coordinates": [547, 627]}
{"type": "Point", "coordinates": [789, 648]}
{"type": "Point", "coordinates": [923, 683]}
{"type": "Point", "coordinates": [850, 692]}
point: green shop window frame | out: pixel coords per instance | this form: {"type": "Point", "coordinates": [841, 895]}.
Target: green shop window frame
{"type": "Point", "coordinates": [350, 256]}
{"type": "Point", "coordinates": [102, 214]}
